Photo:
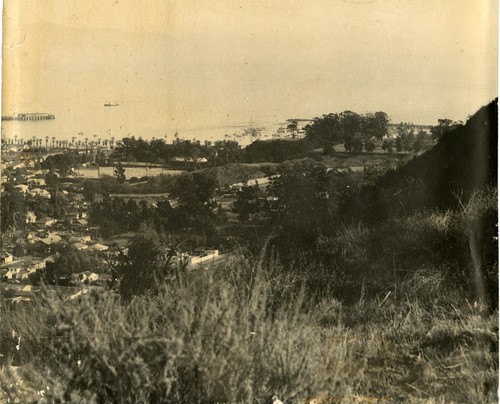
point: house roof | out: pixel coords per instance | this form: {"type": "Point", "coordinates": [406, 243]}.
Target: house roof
{"type": "Point", "coordinates": [51, 239]}
{"type": "Point", "coordinates": [100, 247]}
{"type": "Point", "coordinates": [45, 220]}
{"type": "Point", "coordinates": [50, 258]}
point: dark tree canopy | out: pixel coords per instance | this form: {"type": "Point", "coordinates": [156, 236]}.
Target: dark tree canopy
{"type": "Point", "coordinates": [247, 202]}
{"type": "Point", "coordinates": [444, 126]}
{"type": "Point", "coordinates": [119, 173]}
{"type": "Point", "coordinates": [354, 130]}
{"type": "Point", "coordinates": [276, 151]}
{"type": "Point", "coordinates": [63, 162]}
{"type": "Point", "coordinates": [13, 208]}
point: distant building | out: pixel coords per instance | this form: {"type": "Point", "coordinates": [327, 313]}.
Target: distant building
{"type": "Point", "coordinates": [30, 217]}
{"type": "Point", "coordinates": [187, 163]}
{"type": "Point", "coordinates": [86, 276]}
{"type": "Point", "coordinates": [51, 239]}
{"type": "Point", "coordinates": [80, 239]}
{"type": "Point", "coordinates": [80, 246]}
{"type": "Point", "coordinates": [46, 222]}
{"type": "Point", "coordinates": [6, 274]}
{"type": "Point", "coordinates": [36, 182]}
{"type": "Point", "coordinates": [22, 275]}
{"type": "Point", "coordinates": [5, 257]}
{"type": "Point", "coordinates": [40, 192]}
{"type": "Point", "coordinates": [98, 247]}
{"type": "Point", "coordinates": [22, 188]}
{"type": "Point", "coordinates": [205, 257]}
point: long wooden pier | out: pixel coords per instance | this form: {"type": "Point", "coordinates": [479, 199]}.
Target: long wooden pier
{"type": "Point", "coordinates": [29, 117]}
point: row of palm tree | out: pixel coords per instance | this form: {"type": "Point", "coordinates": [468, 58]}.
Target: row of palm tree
{"type": "Point", "coordinates": [37, 142]}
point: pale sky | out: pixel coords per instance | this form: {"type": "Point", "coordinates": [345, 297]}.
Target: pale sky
{"type": "Point", "coordinates": [211, 61]}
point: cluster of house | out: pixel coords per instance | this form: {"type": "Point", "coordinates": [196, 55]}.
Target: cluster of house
{"type": "Point", "coordinates": [32, 249]}
{"type": "Point", "coordinates": [35, 185]}
{"type": "Point", "coordinates": [19, 269]}
{"type": "Point", "coordinates": [200, 257]}
{"type": "Point", "coordinates": [226, 196]}
{"type": "Point", "coordinates": [22, 253]}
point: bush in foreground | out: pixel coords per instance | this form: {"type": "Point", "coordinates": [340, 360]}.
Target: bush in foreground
{"type": "Point", "coordinates": [225, 337]}
{"type": "Point", "coordinates": [203, 342]}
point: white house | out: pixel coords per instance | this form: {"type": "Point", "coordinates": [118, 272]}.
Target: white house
{"type": "Point", "coordinates": [46, 221]}
{"type": "Point", "coordinates": [81, 246]}
{"type": "Point", "coordinates": [98, 247]}
{"type": "Point", "coordinates": [200, 259]}
{"type": "Point", "coordinates": [6, 274]}
{"type": "Point", "coordinates": [5, 257]}
{"type": "Point", "coordinates": [22, 188]}
{"type": "Point", "coordinates": [82, 222]}
{"type": "Point", "coordinates": [80, 239]}
{"type": "Point", "coordinates": [36, 182]}
{"type": "Point", "coordinates": [40, 192]}
{"type": "Point", "coordinates": [30, 217]}
{"type": "Point", "coordinates": [22, 274]}
{"type": "Point", "coordinates": [50, 258]}
{"type": "Point", "coordinates": [86, 276]}
{"type": "Point", "coordinates": [36, 265]}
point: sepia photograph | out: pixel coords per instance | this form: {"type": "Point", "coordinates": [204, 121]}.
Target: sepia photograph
{"type": "Point", "coordinates": [249, 201]}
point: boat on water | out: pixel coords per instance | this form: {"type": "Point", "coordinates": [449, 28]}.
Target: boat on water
{"type": "Point", "coordinates": [111, 104]}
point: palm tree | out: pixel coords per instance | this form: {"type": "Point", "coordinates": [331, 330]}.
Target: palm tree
{"type": "Point", "coordinates": [53, 141]}
{"type": "Point", "coordinates": [112, 142]}
{"type": "Point", "coordinates": [46, 142]}
{"type": "Point", "coordinates": [86, 145]}
{"type": "Point", "coordinates": [15, 139]}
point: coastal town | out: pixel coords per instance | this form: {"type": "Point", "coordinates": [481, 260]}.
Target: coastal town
{"type": "Point", "coordinates": [249, 202]}
{"type": "Point", "coordinates": [33, 240]}
{"type": "Point", "coordinates": [71, 208]}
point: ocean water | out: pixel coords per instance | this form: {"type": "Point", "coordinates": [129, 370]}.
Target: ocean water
{"type": "Point", "coordinates": [95, 121]}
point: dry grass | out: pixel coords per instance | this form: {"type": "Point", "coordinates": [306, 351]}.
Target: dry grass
{"type": "Point", "coordinates": [245, 333]}
{"type": "Point", "coordinates": [209, 341]}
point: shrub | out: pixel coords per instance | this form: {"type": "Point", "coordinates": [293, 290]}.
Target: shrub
{"type": "Point", "coordinates": [204, 341]}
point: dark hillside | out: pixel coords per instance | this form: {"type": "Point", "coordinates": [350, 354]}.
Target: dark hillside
{"type": "Point", "coordinates": [464, 161]}
{"type": "Point", "coordinates": [458, 175]}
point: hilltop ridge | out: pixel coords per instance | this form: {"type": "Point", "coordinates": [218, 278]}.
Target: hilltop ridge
{"type": "Point", "coordinates": [464, 161]}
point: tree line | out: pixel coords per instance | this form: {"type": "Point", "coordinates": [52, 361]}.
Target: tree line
{"type": "Point", "coordinates": [158, 151]}
{"type": "Point", "coordinates": [194, 216]}
{"type": "Point", "coordinates": [355, 131]}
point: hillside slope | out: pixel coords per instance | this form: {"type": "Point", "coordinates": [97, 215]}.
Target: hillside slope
{"type": "Point", "coordinates": [464, 161]}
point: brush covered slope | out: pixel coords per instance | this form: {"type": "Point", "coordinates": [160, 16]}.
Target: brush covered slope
{"type": "Point", "coordinates": [464, 161]}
